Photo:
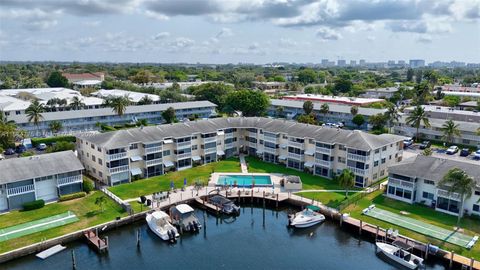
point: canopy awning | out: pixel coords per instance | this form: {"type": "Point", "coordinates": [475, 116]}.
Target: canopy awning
{"type": "Point", "coordinates": [167, 141]}
{"type": "Point", "coordinates": [220, 153]}
{"type": "Point", "coordinates": [168, 163]}
{"type": "Point", "coordinates": [196, 158]}
{"type": "Point", "coordinates": [310, 152]}
{"type": "Point", "coordinates": [283, 146]}
{"type": "Point", "coordinates": [220, 132]}
{"type": "Point", "coordinates": [281, 157]}
{"type": "Point", "coordinates": [309, 164]}
{"type": "Point", "coordinates": [136, 171]}
{"type": "Point", "coordinates": [136, 158]}
{"type": "Point", "coordinates": [259, 152]}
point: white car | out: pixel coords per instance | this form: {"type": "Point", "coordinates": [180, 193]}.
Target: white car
{"type": "Point", "coordinates": [452, 150]}
{"type": "Point", "coordinates": [476, 155]}
{"type": "Point", "coordinates": [407, 142]}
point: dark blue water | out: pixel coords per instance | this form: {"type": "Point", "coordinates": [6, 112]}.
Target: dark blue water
{"type": "Point", "coordinates": [257, 239]}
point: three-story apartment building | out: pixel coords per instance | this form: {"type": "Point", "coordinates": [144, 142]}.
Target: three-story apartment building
{"type": "Point", "coordinates": [120, 156]}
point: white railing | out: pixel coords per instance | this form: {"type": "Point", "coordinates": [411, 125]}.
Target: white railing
{"type": "Point", "coordinates": [398, 182]}
{"type": "Point", "coordinates": [184, 155]}
{"type": "Point", "coordinates": [252, 134]}
{"type": "Point", "coordinates": [153, 162]}
{"type": "Point", "coordinates": [229, 145]}
{"type": "Point", "coordinates": [295, 156]}
{"type": "Point", "coordinates": [253, 145]}
{"type": "Point", "coordinates": [270, 139]}
{"type": "Point", "coordinates": [118, 169]}
{"type": "Point", "coordinates": [69, 180]}
{"type": "Point", "coordinates": [322, 162]}
{"type": "Point", "coordinates": [210, 150]}
{"type": "Point", "coordinates": [116, 156]}
{"type": "Point", "coordinates": [357, 170]}
{"type": "Point", "coordinates": [20, 190]}
{"type": "Point", "coordinates": [184, 144]}
{"type": "Point", "coordinates": [209, 139]}
{"type": "Point", "coordinates": [228, 135]}
{"type": "Point", "coordinates": [357, 157]}
{"type": "Point", "coordinates": [269, 150]}
{"type": "Point", "coordinates": [449, 195]}
{"type": "Point", "coordinates": [155, 149]}
{"type": "Point", "coordinates": [322, 150]}
{"type": "Point", "coordinates": [296, 144]}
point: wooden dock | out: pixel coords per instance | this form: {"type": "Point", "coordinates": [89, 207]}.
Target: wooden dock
{"type": "Point", "coordinates": [95, 241]}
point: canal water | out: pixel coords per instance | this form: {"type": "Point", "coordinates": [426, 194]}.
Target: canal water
{"type": "Point", "coordinates": [257, 239]}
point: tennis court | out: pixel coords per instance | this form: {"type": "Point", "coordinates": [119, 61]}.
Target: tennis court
{"type": "Point", "coordinates": [449, 236]}
{"type": "Point", "coordinates": [37, 226]}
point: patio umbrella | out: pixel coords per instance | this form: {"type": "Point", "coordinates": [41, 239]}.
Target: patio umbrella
{"type": "Point", "coordinates": [172, 185]}
{"type": "Point", "coordinates": [184, 181]}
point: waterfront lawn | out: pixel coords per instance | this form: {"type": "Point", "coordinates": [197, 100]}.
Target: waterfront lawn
{"type": "Point", "coordinates": [330, 199]}
{"type": "Point", "coordinates": [309, 181]}
{"type": "Point", "coordinates": [162, 182]}
{"type": "Point", "coordinates": [85, 208]}
{"type": "Point", "coordinates": [419, 212]}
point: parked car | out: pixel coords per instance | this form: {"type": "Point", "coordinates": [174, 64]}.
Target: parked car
{"type": "Point", "coordinates": [20, 149]}
{"type": "Point", "coordinates": [452, 150]}
{"type": "Point", "coordinates": [407, 142]}
{"type": "Point", "coordinates": [425, 145]}
{"type": "Point", "coordinates": [9, 151]}
{"type": "Point", "coordinates": [477, 154]}
{"type": "Point", "coordinates": [465, 152]}
{"type": "Point", "coordinates": [41, 147]}
{"type": "Point", "coordinates": [2, 157]}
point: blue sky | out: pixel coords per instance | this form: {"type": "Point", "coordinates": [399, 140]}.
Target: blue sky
{"type": "Point", "coordinates": [232, 31]}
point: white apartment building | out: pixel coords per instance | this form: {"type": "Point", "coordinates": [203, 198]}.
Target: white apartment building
{"type": "Point", "coordinates": [416, 180]}
{"type": "Point", "coordinates": [120, 156]}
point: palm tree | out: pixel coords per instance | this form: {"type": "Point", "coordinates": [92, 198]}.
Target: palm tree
{"type": "Point", "coordinates": [7, 131]}
{"type": "Point", "coordinates": [324, 109]}
{"type": "Point", "coordinates": [308, 107]}
{"type": "Point", "coordinates": [34, 112]}
{"type": "Point", "coordinates": [101, 201]}
{"type": "Point", "coordinates": [4, 119]}
{"type": "Point", "coordinates": [142, 122]}
{"type": "Point", "coordinates": [450, 130]}
{"type": "Point", "coordinates": [118, 104]}
{"type": "Point", "coordinates": [55, 126]}
{"type": "Point", "coordinates": [392, 115]}
{"type": "Point", "coordinates": [354, 110]}
{"type": "Point", "coordinates": [145, 100]}
{"type": "Point", "coordinates": [279, 111]}
{"type": "Point", "coordinates": [52, 104]}
{"type": "Point", "coordinates": [346, 180]}
{"type": "Point", "coordinates": [458, 181]}
{"type": "Point", "coordinates": [76, 103]}
{"type": "Point", "coordinates": [416, 117]}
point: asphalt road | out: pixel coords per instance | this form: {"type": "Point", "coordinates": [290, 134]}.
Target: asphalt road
{"type": "Point", "coordinates": [440, 153]}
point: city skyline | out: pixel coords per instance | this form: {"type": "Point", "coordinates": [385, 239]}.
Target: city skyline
{"type": "Point", "coordinates": [236, 31]}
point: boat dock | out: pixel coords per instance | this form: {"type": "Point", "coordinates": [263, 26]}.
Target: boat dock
{"type": "Point", "coordinates": [95, 241]}
{"type": "Point", "coordinates": [51, 251]}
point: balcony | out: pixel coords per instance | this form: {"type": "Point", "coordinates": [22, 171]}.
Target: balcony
{"type": "Point", "coordinates": [358, 171]}
{"type": "Point", "coordinates": [184, 145]}
{"type": "Point", "coordinates": [357, 157]}
{"type": "Point", "coordinates": [155, 149]}
{"type": "Point", "coordinates": [295, 156]}
{"type": "Point", "coordinates": [20, 190]}
{"type": "Point", "coordinates": [449, 195]}
{"type": "Point", "coordinates": [296, 144]}
{"type": "Point", "coordinates": [118, 169]}
{"type": "Point", "coordinates": [153, 162]}
{"type": "Point", "coordinates": [322, 150]}
{"type": "Point", "coordinates": [184, 155]}
{"type": "Point", "coordinates": [324, 163]}
{"type": "Point", "coordinates": [69, 180]}
{"type": "Point", "coordinates": [398, 182]}
{"type": "Point", "coordinates": [270, 150]}
{"type": "Point", "coordinates": [229, 145]}
{"type": "Point", "coordinates": [270, 139]}
{"type": "Point", "coordinates": [229, 135]}
{"type": "Point", "coordinates": [209, 139]}
{"type": "Point", "coordinates": [252, 145]}
{"type": "Point", "coordinates": [116, 156]}
{"type": "Point", "coordinates": [252, 134]}
{"type": "Point", "coordinates": [210, 150]}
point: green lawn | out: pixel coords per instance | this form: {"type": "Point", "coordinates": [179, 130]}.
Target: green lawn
{"type": "Point", "coordinates": [85, 209]}
{"type": "Point", "coordinates": [162, 182]}
{"type": "Point", "coordinates": [309, 181]}
{"type": "Point", "coordinates": [331, 199]}
{"type": "Point", "coordinates": [419, 212]}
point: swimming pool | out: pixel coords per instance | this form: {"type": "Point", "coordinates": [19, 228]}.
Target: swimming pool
{"type": "Point", "coordinates": [244, 180]}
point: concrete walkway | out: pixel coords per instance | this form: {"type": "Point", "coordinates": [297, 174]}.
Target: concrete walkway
{"type": "Point", "coordinates": [329, 190]}
{"type": "Point", "coordinates": [243, 164]}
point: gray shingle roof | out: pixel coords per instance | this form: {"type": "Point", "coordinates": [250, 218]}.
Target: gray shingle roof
{"type": "Point", "coordinates": [17, 169]}
{"type": "Point", "coordinates": [332, 107]}
{"type": "Point", "coordinates": [433, 168]}
{"type": "Point", "coordinates": [354, 139]}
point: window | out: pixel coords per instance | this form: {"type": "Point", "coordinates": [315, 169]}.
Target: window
{"type": "Point", "coordinates": [100, 174]}
{"type": "Point", "coordinates": [133, 146]}
{"type": "Point", "coordinates": [99, 149]}
{"type": "Point", "coordinates": [384, 148]}
{"type": "Point", "coordinates": [429, 182]}
{"type": "Point", "coordinates": [390, 157]}
{"type": "Point", "coordinates": [88, 155]}
{"type": "Point", "coordinates": [375, 163]}
{"type": "Point", "coordinates": [477, 192]}
{"type": "Point", "coordinates": [377, 151]}
{"type": "Point", "coordinates": [194, 147]}
{"type": "Point", "coordinates": [166, 153]}
{"type": "Point", "coordinates": [92, 146]}
{"type": "Point", "coordinates": [382, 172]}
{"type": "Point", "coordinates": [93, 158]}
{"type": "Point", "coordinates": [384, 160]}
{"type": "Point", "coordinates": [375, 176]}
{"type": "Point", "coordinates": [341, 147]}
{"type": "Point", "coordinates": [476, 208]}
{"type": "Point", "coordinates": [93, 170]}
{"type": "Point", "coordinates": [100, 161]}
{"type": "Point", "coordinates": [427, 195]}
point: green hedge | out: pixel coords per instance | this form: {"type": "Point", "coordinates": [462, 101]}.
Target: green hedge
{"type": "Point", "coordinates": [51, 140]}
{"type": "Point", "coordinates": [88, 185]}
{"type": "Point", "coordinates": [72, 196]}
{"type": "Point", "coordinates": [33, 205]}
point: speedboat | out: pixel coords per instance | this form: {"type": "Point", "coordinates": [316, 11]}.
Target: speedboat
{"type": "Point", "coordinates": [225, 205]}
{"type": "Point", "coordinates": [306, 218]}
{"type": "Point", "coordinates": [159, 223]}
{"type": "Point", "coordinates": [183, 216]}
{"type": "Point", "coordinates": [401, 253]}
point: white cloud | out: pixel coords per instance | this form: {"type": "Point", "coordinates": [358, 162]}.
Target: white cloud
{"type": "Point", "coordinates": [156, 16]}
{"type": "Point", "coordinates": [326, 33]}
{"type": "Point", "coordinates": [225, 32]}
{"type": "Point", "coordinates": [424, 39]}
{"type": "Point", "coordinates": [92, 23]}
{"type": "Point", "coordinates": [161, 35]}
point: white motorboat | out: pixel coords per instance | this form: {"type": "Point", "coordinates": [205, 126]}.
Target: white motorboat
{"type": "Point", "coordinates": [306, 218]}
{"type": "Point", "coordinates": [159, 223]}
{"type": "Point", "coordinates": [400, 253]}
{"type": "Point", "coordinates": [226, 206]}
{"type": "Point", "coordinates": [183, 216]}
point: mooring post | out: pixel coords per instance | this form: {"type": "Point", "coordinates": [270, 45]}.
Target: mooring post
{"type": "Point", "coordinates": [341, 220]}
{"type": "Point", "coordinates": [360, 228]}
{"type": "Point", "coordinates": [181, 195]}
{"type": "Point", "coordinates": [106, 241]}
{"type": "Point", "coordinates": [472, 260]}
{"type": "Point", "coordinates": [426, 251]}
{"type": "Point", "coordinates": [452, 253]}
{"type": "Point", "coordinates": [276, 205]}
{"type": "Point", "coordinates": [74, 264]}
{"type": "Point", "coordinates": [376, 234]}
{"type": "Point", "coordinates": [264, 199]}
{"type": "Point", "coordinates": [251, 200]}
{"type": "Point", "coordinates": [138, 237]}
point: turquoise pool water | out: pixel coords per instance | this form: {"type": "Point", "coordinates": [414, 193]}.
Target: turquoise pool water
{"type": "Point", "coordinates": [244, 180]}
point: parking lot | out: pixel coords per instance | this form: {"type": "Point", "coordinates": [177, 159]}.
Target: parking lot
{"type": "Point", "coordinates": [441, 153]}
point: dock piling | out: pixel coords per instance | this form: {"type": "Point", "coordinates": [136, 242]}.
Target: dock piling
{"type": "Point", "coordinates": [138, 238]}
{"type": "Point", "coordinates": [376, 234]}
{"type": "Point", "coordinates": [276, 204]}
{"type": "Point", "coordinates": [360, 228]}
{"type": "Point", "coordinates": [452, 253]}
{"type": "Point", "coordinates": [74, 264]}
{"type": "Point", "coordinates": [426, 251]}
{"type": "Point", "coordinates": [472, 260]}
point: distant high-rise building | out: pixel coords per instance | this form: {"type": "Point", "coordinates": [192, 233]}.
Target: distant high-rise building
{"type": "Point", "coordinates": [401, 62]}
{"type": "Point", "coordinates": [341, 63]}
{"type": "Point", "coordinates": [324, 62]}
{"type": "Point", "coordinates": [417, 63]}
{"type": "Point", "coordinates": [353, 63]}
{"type": "Point", "coordinates": [362, 62]}
{"type": "Point", "coordinates": [391, 63]}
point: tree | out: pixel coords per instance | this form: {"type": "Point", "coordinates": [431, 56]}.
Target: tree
{"type": "Point", "coordinates": [307, 76]}
{"type": "Point", "coordinates": [118, 104]}
{"type": "Point", "coordinates": [55, 126]}
{"type": "Point", "coordinates": [308, 107]}
{"type": "Point", "coordinates": [8, 130]}
{"type": "Point", "coordinates": [452, 101]}
{"type": "Point", "coordinates": [250, 103]}
{"type": "Point", "coordinates": [214, 92]}
{"type": "Point", "coordinates": [56, 79]}
{"type": "Point", "coordinates": [307, 119]}
{"type": "Point", "coordinates": [450, 130]}
{"type": "Point", "coordinates": [142, 122]}
{"type": "Point", "coordinates": [458, 181]}
{"type": "Point", "coordinates": [88, 185]}
{"type": "Point", "coordinates": [358, 120]}
{"type": "Point", "coordinates": [142, 77]}
{"type": "Point", "coordinates": [101, 201]}
{"type": "Point", "coordinates": [76, 103]}
{"type": "Point", "coordinates": [377, 121]}
{"type": "Point", "coordinates": [34, 112]}
{"type": "Point", "coordinates": [343, 85]}
{"type": "Point", "coordinates": [324, 109]}
{"type": "Point", "coordinates": [279, 111]}
{"type": "Point", "coordinates": [409, 75]}
{"type": "Point", "coordinates": [346, 180]}
{"type": "Point", "coordinates": [422, 91]}
{"type": "Point", "coordinates": [354, 110]}
{"type": "Point", "coordinates": [427, 152]}
{"type": "Point", "coordinates": [416, 117]}
{"type": "Point", "coordinates": [145, 100]}
{"type": "Point", "coordinates": [392, 115]}
{"type": "Point", "coordinates": [169, 115]}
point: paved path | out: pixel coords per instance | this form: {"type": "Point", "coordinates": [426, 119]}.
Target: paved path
{"type": "Point", "coordinates": [329, 190]}
{"type": "Point", "coordinates": [243, 163]}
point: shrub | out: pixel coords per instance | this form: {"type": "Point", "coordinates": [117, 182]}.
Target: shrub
{"type": "Point", "coordinates": [107, 128]}
{"type": "Point", "coordinates": [33, 205]}
{"type": "Point", "coordinates": [130, 125]}
{"type": "Point", "coordinates": [88, 185]}
{"type": "Point", "coordinates": [72, 196]}
{"type": "Point", "coordinates": [118, 126]}
{"type": "Point", "coordinates": [61, 146]}
{"type": "Point", "coordinates": [51, 140]}
{"type": "Point", "coordinates": [27, 154]}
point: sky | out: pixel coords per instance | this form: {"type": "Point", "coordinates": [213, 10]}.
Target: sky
{"type": "Point", "coordinates": [233, 31]}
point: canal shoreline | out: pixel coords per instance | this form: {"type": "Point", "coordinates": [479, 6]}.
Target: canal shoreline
{"type": "Point", "coordinates": [364, 230]}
